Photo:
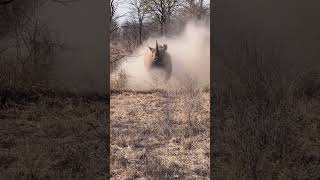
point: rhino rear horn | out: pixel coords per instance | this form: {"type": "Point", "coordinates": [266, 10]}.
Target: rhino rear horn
{"type": "Point", "coordinates": [165, 47]}
{"type": "Point", "coordinates": [157, 47]}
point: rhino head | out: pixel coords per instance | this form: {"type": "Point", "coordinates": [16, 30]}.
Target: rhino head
{"type": "Point", "coordinates": [158, 52]}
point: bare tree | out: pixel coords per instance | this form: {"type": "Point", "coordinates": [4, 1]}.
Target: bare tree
{"type": "Point", "coordinates": [113, 8]}
{"type": "Point", "coordinates": [114, 5]}
{"type": "Point", "coordinates": [162, 11]}
{"type": "Point", "coordinates": [138, 13]}
{"type": "Point", "coordinates": [6, 2]}
{"type": "Point", "coordinates": [195, 8]}
{"type": "Point", "coordinates": [116, 51]}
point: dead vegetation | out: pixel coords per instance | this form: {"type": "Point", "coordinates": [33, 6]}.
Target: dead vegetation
{"type": "Point", "coordinates": [53, 135]}
{"type": "Point", "coordinates": [266, 118]}
{"type": "Point", "coordinates": [160, 133]}
{"type": "Point", "coordinates": [46, 132]}
{"type": "Point", "coordinates": [158, 130]}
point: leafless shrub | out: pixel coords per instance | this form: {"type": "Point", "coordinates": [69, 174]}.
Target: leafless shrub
{"type": "Point", "coordinates": [118, 80]}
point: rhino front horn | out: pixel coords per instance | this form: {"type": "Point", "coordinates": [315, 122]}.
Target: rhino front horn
{"type": "Point", "coordinates": [157, 48]}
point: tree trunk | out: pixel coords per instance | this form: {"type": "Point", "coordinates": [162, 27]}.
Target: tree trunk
{"type": "Point", "coordinates": [161, 28]}
{"type": "Point", "coordinates": [163, 25]}
{"type": "Point", "coordinates": [140, 33]}
{"type": "Point", "coordinates": [200, 10]}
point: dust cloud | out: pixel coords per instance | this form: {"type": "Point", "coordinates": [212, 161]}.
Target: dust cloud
{"type": "Point", "coordinates": [190, 56]}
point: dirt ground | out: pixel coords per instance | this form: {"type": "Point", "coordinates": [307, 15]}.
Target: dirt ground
{"type": "Point", "coordinates": [160, 134]}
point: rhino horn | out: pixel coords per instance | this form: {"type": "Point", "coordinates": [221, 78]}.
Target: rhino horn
{"type": "Point", "coordinates": [157, 47]}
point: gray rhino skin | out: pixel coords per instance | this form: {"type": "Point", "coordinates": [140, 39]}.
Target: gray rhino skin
{"type": "Point", "coordinates": [158, 58]}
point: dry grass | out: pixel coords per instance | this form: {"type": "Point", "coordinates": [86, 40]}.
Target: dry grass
{"type": "Point", "coordinates": [52, 135]}
{"type": "Point", "coordinates": [46, 133]}
{"type": "Point", "coordinates": [266, 120]}
{"type": "Point", "coordinates": [162, 133]}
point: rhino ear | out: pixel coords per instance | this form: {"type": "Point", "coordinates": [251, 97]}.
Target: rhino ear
{"type": "Point", "coordinates": [165, 47]}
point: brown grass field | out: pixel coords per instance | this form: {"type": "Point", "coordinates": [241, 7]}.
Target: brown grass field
{"type": "Point", "coordinates": [160, 133]}
{"type": "Point", "coordinates": [52, 135]}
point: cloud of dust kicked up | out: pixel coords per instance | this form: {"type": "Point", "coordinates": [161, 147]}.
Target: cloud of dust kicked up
{"type": "Point", "coordinates": [190, 56]}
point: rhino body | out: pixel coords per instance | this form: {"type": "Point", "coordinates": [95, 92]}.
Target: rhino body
{"type": "Point", "coordinates": [158, 58]}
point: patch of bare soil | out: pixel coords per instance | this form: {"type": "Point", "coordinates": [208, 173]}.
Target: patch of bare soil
{"type": "Point", "coordinates": [160, 134]}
